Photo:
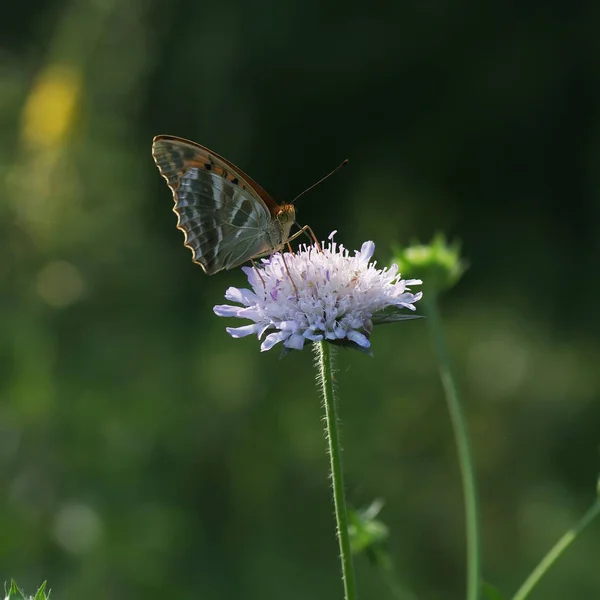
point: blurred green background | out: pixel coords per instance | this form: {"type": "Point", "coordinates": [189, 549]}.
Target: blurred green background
{"type": "Point", "coordinates": [144, 453]}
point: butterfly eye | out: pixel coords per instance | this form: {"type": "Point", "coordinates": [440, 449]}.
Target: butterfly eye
{"type": "Point", "coordinates": [286, 214]}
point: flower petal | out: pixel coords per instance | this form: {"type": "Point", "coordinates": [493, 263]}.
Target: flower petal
{"type": "Point", "coordinates": [239, 332]}
{"type": "Point", "coordinates": [366, 253]}
{"type": "Point", "coordinates": [292, 326]}
{"type": "Point", "coordinates": [250, 312]}
{"type": "Point", "coordinates": [359, 338]}
{"type": "Point", "coordinates": [272, 339]}
{"type": "Point", "coordinates": [242, 296]}
{"type": "Point", "coordinates": [295, 341]}
{"type": "Point", "coordinates": [338, 331]}
{"type": "Point", "coordinates": [312, 336]}
{"type": "Point", "coordinates": [253, 278]}
{"type": "Point", "coordinates": [226, 310]}
{"type": "Point", "coordinates": [264, 328]}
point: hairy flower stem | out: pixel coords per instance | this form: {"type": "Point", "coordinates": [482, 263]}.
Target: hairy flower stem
{"type": "Point", "coordinates": [325, 377]}
{"type": "Point", "coordinates": [461, 439]}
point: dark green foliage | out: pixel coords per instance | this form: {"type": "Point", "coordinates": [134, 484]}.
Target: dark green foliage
{"type": "Point", "coordinates": [146, 454]}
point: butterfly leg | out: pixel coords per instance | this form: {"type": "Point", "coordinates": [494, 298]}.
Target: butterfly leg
{"type": "Point", "coordinates": [259, 275]}
{"type": "Point", "coordinates": [289, 275]}
{"type": "Point", "coordinates": [286, 268]}
{"type": "Point", "coordinates": [306, 230]}
{"type": "Point", "coordinates": [313, 236]}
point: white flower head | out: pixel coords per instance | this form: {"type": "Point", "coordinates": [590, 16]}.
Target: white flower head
{"type": "Point", "coordinates": [322, 295]}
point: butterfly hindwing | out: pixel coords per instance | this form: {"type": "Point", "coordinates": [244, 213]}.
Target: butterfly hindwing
{"type": "Point", "coordinates": [223, 226]}
{"type": "Point", "coordinates": [225, 222]}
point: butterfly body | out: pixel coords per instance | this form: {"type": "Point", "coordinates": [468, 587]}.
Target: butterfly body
{"type": "Point", "coordinates": [226, 217]}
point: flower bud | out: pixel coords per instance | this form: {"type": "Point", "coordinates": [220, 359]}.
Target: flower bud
{"type": "Point", "coordinates": [438, 264]}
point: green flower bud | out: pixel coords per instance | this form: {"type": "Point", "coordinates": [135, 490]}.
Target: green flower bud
{"type": "Point", "coordinates": [365, 530]}
{"type": "Point", "coordinates": [14, 593]}
{"type": "Point", "coordinates": [438, 264]}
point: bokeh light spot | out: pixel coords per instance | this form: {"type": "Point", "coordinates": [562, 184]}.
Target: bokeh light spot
{"type": "Point", "coordinates": [77, 528]}
{"type": "Point", "coordinates": [59, 284]}
{"type": "Point", "coordinates": [50, 107]}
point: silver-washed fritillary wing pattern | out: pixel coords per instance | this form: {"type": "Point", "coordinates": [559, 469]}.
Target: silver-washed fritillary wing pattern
{"type": "Point", "coordinates": [226, 217]}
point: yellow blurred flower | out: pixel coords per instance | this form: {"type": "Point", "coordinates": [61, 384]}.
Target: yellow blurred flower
{"type": "Point", "coordinates": [50, 108]}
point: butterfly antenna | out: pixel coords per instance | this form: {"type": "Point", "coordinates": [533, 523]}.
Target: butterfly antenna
{"type": "Point", "coordinates": [314, 185]}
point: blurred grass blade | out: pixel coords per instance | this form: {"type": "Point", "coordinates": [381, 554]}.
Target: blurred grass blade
{"type": "Point", "coordinates": [556, 551]}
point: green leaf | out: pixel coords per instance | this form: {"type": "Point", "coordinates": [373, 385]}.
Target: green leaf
{"type": "Point", "coordinates": [14, 593]}
{"type": "Point", "coordinates": [392, 314]}
{"type": "Point", "coordinates": [41, 593]}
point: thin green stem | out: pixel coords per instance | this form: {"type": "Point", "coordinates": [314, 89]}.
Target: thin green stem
{"type": "Point", "coordinates": [325, 377]}
{"type": "Point", "coordinates": [555, 552]}
{"type": "Point", "coordinates": [386, 568]}
{"type": "Point", "coordinates": [462, 445]}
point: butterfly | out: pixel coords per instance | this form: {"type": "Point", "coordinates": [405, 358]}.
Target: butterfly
{"type": "Point", "coordinates": [226, 217]}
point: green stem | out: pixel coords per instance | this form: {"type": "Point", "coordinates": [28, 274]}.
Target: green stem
{"type": "Point", "coordinates": [383, 562]}
{"type": "Point", "coordinates": [462, 445]}
{"type": "Point", "coordinates": [324, 352]}
{"type": "Point", "coordinates": [554, 553]}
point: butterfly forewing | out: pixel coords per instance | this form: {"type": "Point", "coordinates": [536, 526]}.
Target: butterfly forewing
{"type": "Point", "coordinates": [226, 217]}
